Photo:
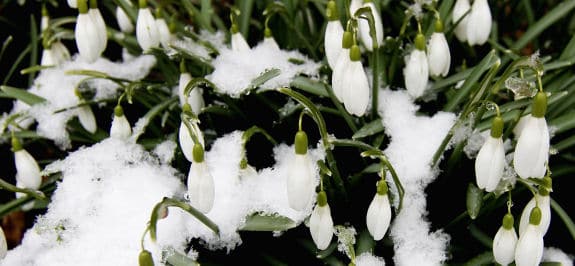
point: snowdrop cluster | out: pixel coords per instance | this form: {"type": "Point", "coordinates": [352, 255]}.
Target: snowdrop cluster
{"type": "Point", "coordinates": [473, 21]}
{"type": "Point", "coordinates": [90, 33]}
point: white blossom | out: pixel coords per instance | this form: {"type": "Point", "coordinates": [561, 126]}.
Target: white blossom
{"type": "Point", "coordinates": [321, 224]}
{"type": "Point", "coordinates": [505, 241]}
{"type": "Point", "coordinates": [532, 150]}
{"type": "Point", "coordinates": [87, 118]}
{"type": "Point", "coordinates": [120, 128]}
{"type": "Point", "coordinates": [459, 9]}
{"type": "Point", "coordinates": [87, 34]}
{"type": "Point", "coordinates": [544, 204]}
{"type": "Point", "coordinates": [378, 216]}
{"type": "Point", "coordinates": [355, 85]}
{"type": "Point", "coordinates": [124, 21]}
{"type": "Point", "coordinates": [332, 42]}
{"type": "Point", "coordinates": [187, 142]}
{"type": "Point", "coordinates": [73, 3]}
{"type": "Point", "coordinates": [164, 32]}
{"type": "Point", "coordinates": [201, 189]}
{"type": "Point", "coordinates": [195, 98]}
{"type": "Point", "coordinates": [438, 55]}
{"type": "Point", "coordinates": [27, 170]}
{"type": "Point", "coordinates": [146, 30]}
{"type": "Point", "coordinates": [479, 23]}
{"type": "Point", "coordinates": [416, 73]}
{"type": "Point", "coordinates": [239, 44]}
{"type": "Point", "coordinates": [271, 42]}
{"type": "Point", "coordinates": [341, 64]}
{"type": "Point", "coordinates": [490, 163]}
{"type": "Point", "coordinates": [100, 27]}
{"type": "Point", "coordinates": [529, 249]}
{"type": "Point", "coordinates": [300, 182]}
{"type": "Point", "coordinates": [364, 34]}
{"type": "Point", "coordinates": [354, 5]}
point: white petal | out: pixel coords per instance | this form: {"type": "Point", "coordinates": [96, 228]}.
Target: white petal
{"type": "Point", "coordinates": [100, 27]}
{"type": "Point", "coordinates": [332, 42]}
{"type": "Point", "coordinates": [504, 246]}
{"type": "Point", "coordinates": [195, 98]}
{"type": "Point", "coordinates": [544, 205]}
{"type": "Point", "coordinates": [239, 44]}
{"type": "Point", "coordinates": [124, 21]}
{"type": "Point", "coordinates": [439, 57]}
{"type": "Point", "coordinates": [164, 32]}
{"type": "Point", "coordinates": [60, 52]}
{"type": "Point", "coordinates": [300, 188]}
{"type": "Point", "coordinates": [3, 244]}
{"type": "Point", "coordinates": [355, 89]}
{"type": "Point", "coordinates": [416, 73]}
{"type": "Point", "coordinates": [201, 187]}
{"type": "Point", "coordinates": [186, 141]}
{"type": "Point", "coordinates": [489, 164]}
{"type": "Point", "coordinates": [120, 128]}
{"type": "Point", "coordinates": [27, 170]}
{"type": "Point", "coordinates": [86, 34]}
{"type": "Point", "coordinates": [28, 206]}
{"type": "Point", "coordinates": [47, 58]}
{"type": "Point", "coordinates": [378, 216]}
{"type": "Point", "coordinates": [339, 73]}
{"type": "Point", "coordinates": [364, 28]}
{"type": "Point", "coordinates": [479, 23]}
{"type": "Point", "coordinates": [87, 119]}
{"type": "Point", "coordinates": [321, 226]}
{"type": "Point", "coordinates": [521, 125]}
{"type": "Point", "coordinates": [185, 78]}
{"type": "Point", "coordinates": [529, 249]}
{"type": "Point", "coordinates": [532, 150]}
{"type": "Point", "coordinates": [146, 30]}
{"type": "Point", "coordinates": [271, 43]}
{"type": "Point", "coordinates": [354, 5]}
{"type": "Point", "coordinates": [73, 3]}
{"type": "Point", "coordinates": [459, 9]}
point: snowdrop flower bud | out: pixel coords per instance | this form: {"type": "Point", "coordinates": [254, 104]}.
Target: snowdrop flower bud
{"type": "Point", "coordinates": [320, 222]}
{"type": "Point", "coordinates": [355, 84]}
{"type": "Point", "coordinates": [145, 258]}
{"type": "Point", "coordinates": [87, 118]}
{"type": "Point", "coordinates": [343, 60]}
{"type": "Point", "coordinates": [504, 241]}
{"type": "Point", "coordinates": [379, 212]}
{"type": "Point", "coordinates": [201, 188]}
{"type": "Point", "coordinates": [120, 128]}
{"type": "Point", "coordinates": [27, 169]}
{"type": "Point", "coordinates": [73, 3]}
{"type": "Point", "coordinates": [416, 70]}
{"type": "Point", "coordinates": [195, 98]}
{"type": "Point", "coordinates": [124, 21]}
{"type": "Point", "coordinates": [490, 160]}
{"type": "Point", "coordinates": [542, 201]}
{"type": "Point", "coordinates": [94, 12]}
{"type": "Point", "coordinates": [300, 186]}
{"type": "Point", "coordinates": [438, 55]}
{"type": "Point", "coordinates": [364, 28]}
{"type": "Point", "coordinates": [239, 44]}
{"type": "Point", "coordinates": [146, 29]}
{"type": "Point", "coordinates": [333, 35]}
{"type": "Point", "coordinates": [532, 149]}
{"type": "Point", "coordinates": [3, 244]}
{"type": "Point", "coordinates": [529, 249]}
{"type": "Point", "coordinates": [269, 40]}
{"type": "Point", "coordinates": [479, 23]}
{"type": "Point", "coordinates": [88, 34]}
{"type": "Point", "coordinates": [461, 7]}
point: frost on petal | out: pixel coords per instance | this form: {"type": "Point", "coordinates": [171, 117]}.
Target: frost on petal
{"type": "Point", "coordinates": [461, 7]}
{"type": "Point", "coordinates": [438, 55]}
{"type": "Point", "coordinates": [300, 183]}
{"type": "Point", "coordinates": [416, 73]}
{"type": "Point", "coordinates": [529, 249]}
{"type": "Point", "coordinates": [532, 150]}
{"type": "Point", "coordinates": [489, 164]}
{"type": "Point", "coordinates": [27, 170]}
{"type": "Point", "coordinates": [378, 216]}
{"type": "Point", "coordinates": [201, 187]}
{"type": "Point", "coordinates": [479, 23]}
{"type": "Point", "coordinates": [120, 128]}
{"type": "Point", "coordinates": [321, 226]}
{"type": "Point", "coordinates": [239, 44]}
{"type": "Point", "coordinates": [146, 30]}
{"type": "Point", "coordinates": [355, 89]}
{"type": "Point", "coordinates": [364, 28]}
{"type": "Point", "coordinates": [544, 204]}
{"type": "Point", "coordinates": [339, 73]}
{"type": "Point", "coordinates": [332, 42]}
{"type": "Point", "coordinates": [504, 245]}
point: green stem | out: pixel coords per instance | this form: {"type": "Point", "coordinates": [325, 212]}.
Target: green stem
{"type": "Point", "coordinates": [34, 193]}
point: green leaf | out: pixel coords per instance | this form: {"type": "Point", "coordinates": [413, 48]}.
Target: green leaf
{"type": "Point", "coordinates": [264, 77]}
{"type": "Point", "coordinates": [564, 217]}
{"type": "Point", "coordinates": [309, 85]}
{"type": "Point", "coordinates": [267, 222]}
{"type": "Point", "coordinates": [474, 200]}
{"type": "Point", "coordinates": [372, 128]}
{"type": "Point", "coordinates": [22, 95]}
{"type": "Point", "coordinates": [175, 258]}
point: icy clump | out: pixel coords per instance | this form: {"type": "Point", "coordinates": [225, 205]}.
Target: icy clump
{"type": "Point", "coordinates": [165, 151]}
{"type": "Point", "coordinates": [101, 208]}
{"type": "Point", "coordinates": [368, 259]}
{"type": "Point", "coordinates": [234, 71]}
{"type": "Point", "coordinates": [414, 140]}
{"type": "Point", "coordinates": [556, 255]}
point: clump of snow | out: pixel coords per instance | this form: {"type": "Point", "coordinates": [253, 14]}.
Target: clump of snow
{"type": "Point", "coordinates": [101, 208]}
{"type": "Point", "coordinates": [551, 254]}
{"type": "Point", "coordinates": [345, 239]}
{"type": "Point", "coordinates": [368, 259]}
{"type": "Point", "coordinates": [234, 70]}
{"type": "Point", "coordinates": [414, 140]}
{"type": "Point", "coordinates": [165, 151]}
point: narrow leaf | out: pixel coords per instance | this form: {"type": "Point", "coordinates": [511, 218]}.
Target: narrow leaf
{"type": "Point", "coordinates": [264, 77]}
{"type": "Point", "coordinates": [22, 95]}
{"type": "Point", "coordinates": [372, 128]}
{"type": "Point", "coordinates": [474, 200]}
{"type": "Point", "coordinates": [264, 222]}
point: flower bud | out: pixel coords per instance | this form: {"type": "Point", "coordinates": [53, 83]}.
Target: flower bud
{"type": "Point", "coordinates": [300, 179]}
{"type": "Point", "coordinates": [332, 38]}
{"type": "Point", "coordinates": [124, 21]}
{"type": "Point", "coordinates": [490, 161]}
{"type": "Point", "coordinates": [438, 55]}
{"type": "Point", "coordinates": [532, 149]}
{"type": "Point", "coordinates": [146, 30]}
{"type": "Point", "coordinates": [479, 23]}
{"type": "Point", "coordinates": [505, 241]}
{"type": "Point", "coordinates": [239, 44]}
{"type": "Point", "coordinates": [379, 212]}
{"type": "Point", "coordinates": [543, 204]}
{"type": "Point", "coordinates": [321, 223]}
{"type": "Point", "coordinates": [120, 128]}
{"type": "Point", "coordinates": [416, 71]}
{"type": "Point", "coordinates": [459, 10]}
{"type": "Point", "coordinates": [201, 187]}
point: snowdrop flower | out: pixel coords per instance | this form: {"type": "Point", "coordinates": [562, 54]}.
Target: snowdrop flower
{"type": "Point", "coordinates": [163, 31]}
{"type": "Point", "coordinates": [354, 5]}
{"type": "Point", "coordinates": [416, 70]}
{"type": "Point", "coordinates": [195, 98]}
{"type": "Point", "coordinates": [364, 27]}
{"type": "Point", "coordinates": [532, 149]}
{"type": "Point", "coordinates": [73, 3]}
{"type": "Point", "coordinates": [333, 35]}
{"type": "Point", "coordinates": [88, 34]}
{"type": "Point", "coordinates": [239, 44]}
{"type": "Point", "coordinates": [542, 201]}
{"type": "Point", "coordinates": [3, 244]}
{"type": "Point", "coordinates": [379, 212]}
{"type": "Point", "coordinates": [94, 12]}
{"type": "Point", "coordinates": [479, 23]}
{"type": "Point", "coordinates": [87, 118]}
{"type": "Point", "coordinates": [355, 84]}
{"type": "Point", "coordinates": [186, 140]}
{"type": "Point", "coordinates": [124, 21]}
{"type": "Point", "coordinates": [529, 249]}
{"type": "Point", "coordinates": [27, 169]}
{"type": "Point", "coordinates": [438, 55]}
{"type": "Point", "coordinates": [490, 160]}
{"type": "Point", "coordinates": [300, 186]}
{"type": "Point", "coordinates": [321, 223]}
{"type": "Point", "coordinates": [269, 40]}
{"type": "Point", "coordinates": [56, 54]}
{"type": "Point", "coordinates": [120, 128]}
{"type": "Point", "coordinates": [504, 241]}
{"type": "Point", "coordinates": [146, 29]}
{"type": "Point", "coordinates": [341, 64]}
{"type": "Point", "coordinates": [461, 7]}
{"type": "Point", "coordinates": [201, 188]}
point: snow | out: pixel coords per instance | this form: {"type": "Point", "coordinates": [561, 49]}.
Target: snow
{"type": "Point", "coordinates": [414, 140]}
{"type": "Point", "coordinates": [165, 151]}
{"type": "Point", "coordinates": [552, 254]}
{"type": "Point", "coordinates": [368, 259]}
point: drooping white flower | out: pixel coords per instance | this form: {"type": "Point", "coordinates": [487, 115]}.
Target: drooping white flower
{"type": "Point", "coordinates": [490, 160]}
{"type": "Point", "coordinates": [532, 149]}
{"type": "Point", "coordinates": [333, 35]}
{"type": "Point", "coordinates": [186, 140]}
{"type": "Point", "coordinates": [355, 85]}
{"type": "Point", "coordinates": [120, 128]}
{"type": "Point", "coordinates": [504, 241]}
{"type": "Point", "coordinates": [438, 55]}
{"type": "Point", "coordinates": [87, 34]}
{"type": "Point", "coordinates": [27, 169]}
{"type": "Point", "coordinates": [364, 34]}
{"type": "Point", "coordinates": [379, 212]}
{"type": "Point", "coordinates": [87, 118]}
{"type": "Point", "coordinates": [239, 44]}
{"type": "Point", "coordinates": [124, 21]}
{"type": "Point", "coordinates": [3, 244]}
{"type": "Point", "coordinates": [47, 57]}
{"type": "Point", "coordinates": [479, 23]}
{"type": "Point", "coordinates": [321, 223]}
{"type": "Point", "coordinates": [73, 3]}
{"type": "Point", "coordinates": [416, 71]}
{"type": "Point", "coordinates": [354, 5]}
{"type": "Point", "coordinates": [146, 30]}
{"type": "Point", "coordinates": [544, 204]}
{"type": "Point", "coordinates": [164, 31]}
{"type": "Point", "coordinates": [59, 52]}
{"type": "Point", "coordinates": [459, 9]}
{"type": "Point", "coordinates": [529, 249]}
{"type": "Point", "coordinates": [195, 98]}
{"type": "Point", "coordinates": [300, 181]}
{"type": "Point", "coordinates": [94, 12]}
{"type": "Point", "coordinates": [201, 188]}
{"type": "Point", "coordinates": [341, 64]}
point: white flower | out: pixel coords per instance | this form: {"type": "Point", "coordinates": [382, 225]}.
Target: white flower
{"type": "Point", "coordinates": [355, 85]}
{"type": "Point", "coordinates": [529, 249]}
{"type": "Point", "coordinates": [321, 223]}
{"type": "Point", "coordinates": [354, 5]}
{"type": "Point", "coordinates": [120, 128]}
{"type": "Point", "coordinates": [300, 179]}
{"type": "Point", "coordinates": [73, 3]}
{"type": "Point", "coordinates": [124, 21]}
{"type": "Point", "coordinates": [461, 7]}
{"type": "Point", "coordinates": [47, 57]}
{"type": "Point", "coordinates": [544, 204]}
{"type": "Point", "coordinates": [187, 142]}
{"type": "Point", "coordinates": [239, 44]}
{"type": "Point", "coordinates": [341, 64]}
{"type": "Point", "coordinates": [532, 150]}
{"type": "Point", "coordinates": [27, 170]}
{"type": "Point", "coordinates": [416, 70]}
{"type": "Point", "coordinates": [479, 23]}
{"type": "Point", "coordinates": [100, 27]}
{"type": "Point", "coordinates": [364, 28]}
{"type": "Point", "coordinates": [164, 31]}
{"type": "Point", "coordinates": [271, 43]}
{"type": "Point", "coordinates": [438, 55]}
{"type": "Point", "coordinates": [87, 34]}
{"type": "Point", "coordinates": [87, 119]}
{"type": "Point", "coordinates": [504, 242]}
{"type": "Point", "coordinates": [195, 98]}
{"type": "Point", "coordinates": [201, 188]}
{"type": "Point", "coordinates": [490, 160]}
{"type": "Point", "coordinates": [3, 244]}
{"type": "Point", "coordinates": [59, 52]}
{"type": "Point", "coordinates": [332, 42]}
{"type": "Point", "coordinates": [146, 30]}
{"type": "Point", "coordinates": [379, 213]}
